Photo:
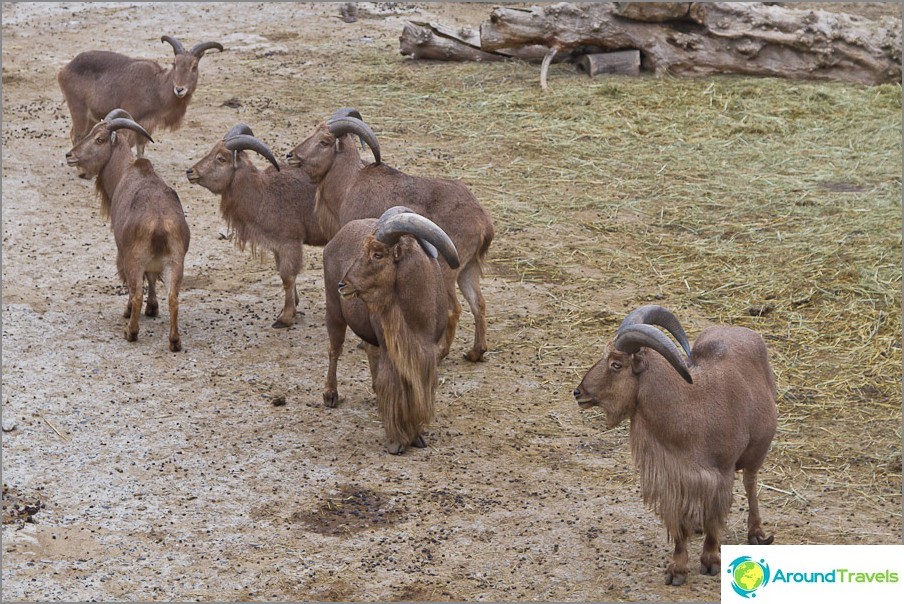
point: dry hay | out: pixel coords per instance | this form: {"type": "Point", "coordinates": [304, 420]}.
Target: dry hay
{"type": "Point", "coordinates": [766, 203]}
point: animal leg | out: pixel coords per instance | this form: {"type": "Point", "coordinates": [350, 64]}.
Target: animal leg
{"type": "Point", "coordinates": [755, 533]}
{"type": "Point", "coordinates": [451, 326]}
{"type": "Point", "coordinates": [335, 327]}
{"type": "Point", "coordinates": [134, 279]}
{"type": "Point", "coordinates": [176, 267]}
{"type": "Point", "coordinates": [151, 307]}
{"type": "Point", "coordinates": [373, 361]}
{"type": "Point", "coordinates": [287, 317]}
{"type": "Point", "coordinates": [469, 283]}
{"type": "Point", "coordinates": [676, 573]}
{"type": "Point", "coordinates": [711, 560]}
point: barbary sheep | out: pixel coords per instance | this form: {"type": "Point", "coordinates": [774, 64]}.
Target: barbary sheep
{"type": "Point", "coordinates": [273, 209]}
{"type": "Point", "coordinates": [146, 216]}
{"type": "Point", "coordinates": [97, 81]}
{"type": "Point", "coordinates": [693, 425]}
{"type": "Point", "coordinates": [348, 190]}
{"type": "Point", "coordinates": [382, 280]}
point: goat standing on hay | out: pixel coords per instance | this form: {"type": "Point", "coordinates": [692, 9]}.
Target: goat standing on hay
{"type": "Point", "coordinates": [145, 214]}
{"type": "Point", "coordinates": [348, 190]}
{"type": "Point", "coordinates": [382, 279]}
{"type": "Point", "coordinates": [692, 425]}
{"type": "Point", "coordinates": [96, 82]}
{"type": "Point", "coordinates": [273, 209]}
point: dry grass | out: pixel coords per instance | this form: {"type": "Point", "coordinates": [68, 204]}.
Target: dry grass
{"type": "Point", "coordinates": [758, 202]}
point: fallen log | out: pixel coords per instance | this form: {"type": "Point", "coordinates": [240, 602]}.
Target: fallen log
{"type": "Point", "coordinates": [749, 38]}
{"type": "Point", "coordinates": [438, 42]}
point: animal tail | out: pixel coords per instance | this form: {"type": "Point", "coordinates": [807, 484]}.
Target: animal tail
{"type": "Point", "coordinates": [484, 251]}
{"type": "Point", "coordinates": [160, 241]}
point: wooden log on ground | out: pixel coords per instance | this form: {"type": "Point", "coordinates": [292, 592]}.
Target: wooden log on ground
{"type": "Point", "coordinates": [748, 38]}
{"type": "Point", "coordinates": [623, 62]}
{"type": "Point", "coordinates": [438, 42]}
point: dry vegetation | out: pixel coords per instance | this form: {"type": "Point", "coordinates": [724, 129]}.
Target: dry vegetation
{"type": "Point", "coordinates": [759, 202]}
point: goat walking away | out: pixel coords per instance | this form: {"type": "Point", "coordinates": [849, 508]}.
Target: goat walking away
{"type": "Point", "coordinates": [272, 209]}
{"type": "Point", "coordinates": [693, 425]}
{"type": "Point", "coordinates": [145, 214]}
{"type": "Point", "coordinates": [382, 279]}
{"type": "Point", "coordinates": [96, 82]}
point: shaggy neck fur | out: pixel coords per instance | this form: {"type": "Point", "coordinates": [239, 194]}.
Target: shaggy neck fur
{"type": "Point", "coordinates": [239, 206]}
{"type": "Point", "coordinates": [679, 491]}
{"type": "Point", "coordinates": [171, 119]}
{"type": "Point", "coordinates": [334, 186]}
{"type": "Point", "coordinates": [406, 382]}
{"type": "Point", "coordinates": [110, 176]}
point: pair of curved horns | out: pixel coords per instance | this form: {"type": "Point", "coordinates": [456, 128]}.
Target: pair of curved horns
{"type": "Point", "coordinates": [120, 118]}
{"type": "Point", "coordinates": [197, 50]}
{"type": "Point", "coordinates": [240, 138]}
{"type": "Point", "coordinates": [399, 220]}
{"type": "Point", "coordinates": [348, 121]}
{"type": "Point", "coordinates": [637, 330]}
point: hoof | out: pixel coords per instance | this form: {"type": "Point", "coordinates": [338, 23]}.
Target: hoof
{"type": "Point", "coordinates": [131, 337]}
{"type": "Point", "coordinates": [675, 580]}
{"type": "Point", "coordinates": [474, 355]}
{"type": "Point", "coordinates": [419, 442]}
{"type": "Point", "coordinates": [280, 325]}
{"type": "Point", "coordinates": [395, 448]}
{"type": "Point", "coordinates": [175, 345]}
{"type": "Point", "coordinates": [151, 311]}
{"type": "Point", "coordinates": [330, 399]}
{"type": "Point", "coordinates": [760, 540]}
{"type": "Point", "coordinates": [712, 570]}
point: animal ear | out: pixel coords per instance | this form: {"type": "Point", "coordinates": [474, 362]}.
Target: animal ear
{"type": "Point", "coordinates": [397, 251]}
{"type": "Point", "coordinates": [113, 137]}
{"type": "Point", "coordinates": [638, 363]}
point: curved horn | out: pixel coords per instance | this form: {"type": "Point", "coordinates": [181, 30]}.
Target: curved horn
{"type": "Point", "coordinates": [396, 222]}
{"type": "Point", "coordinates": [428, 247]}
{"type": "Point", "coordinates": [244, 141]}
{"type": "Point", "coordinates": [653, 314]}
{"type": "Point", "coordinates": [117, 113]}
{"type": "Point", "coordinates": [121, 122]}
{"type": "Point", "coordinates": [352, 125]}
{"type": "Point", "coordinates": [345, 112]}
{"type": "Point", "coordinates": [633, 337]}
{"type": "Point", "coordinates": [199, 49]}
{"type": "Point", "coordinates": [178, 49]}
{"type": "Point", "coordinates": [239, 129]}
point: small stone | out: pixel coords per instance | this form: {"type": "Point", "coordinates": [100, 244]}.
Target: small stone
{"type": "Point", "coordinates": [9, 425]}
{"type": "Point", "coordinates": [279, 401]}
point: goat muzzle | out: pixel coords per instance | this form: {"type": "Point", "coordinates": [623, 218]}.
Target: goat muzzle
{"type": "Point", "coordinates": [180, 91]}
{"type": "Point", "coordinates": [192, 176]}
{"type": "Point", "coordinates": [293, 160]}
{"type": "Point", "coordinates": [347, 291]}
{"type": "Point", "coordinates": [584, 401]}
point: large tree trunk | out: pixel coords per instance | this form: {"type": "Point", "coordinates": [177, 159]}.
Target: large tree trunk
{"type": "Point", "coordinates": [701, 38]}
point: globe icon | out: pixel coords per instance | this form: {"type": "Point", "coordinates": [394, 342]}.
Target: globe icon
{"type": "Point", "coordinates": [748, 575]}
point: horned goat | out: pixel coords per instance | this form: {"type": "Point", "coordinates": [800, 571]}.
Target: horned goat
{"type": "Point", "coordinates": [97, 81]}
{"type": "Point", "coordinates": [382, 280]}
{"type": "Point", "coordinates": [273, 209]}
{"type": "Point", "coordinates": [693, 425]}
{"type": "Point", "coordinates": [145, 214]}
{"type": "Point", "coordinates": [348, 190]}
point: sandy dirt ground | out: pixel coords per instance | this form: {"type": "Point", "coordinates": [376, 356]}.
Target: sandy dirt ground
{"type": "Point", "coordinates": [160, 476]}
